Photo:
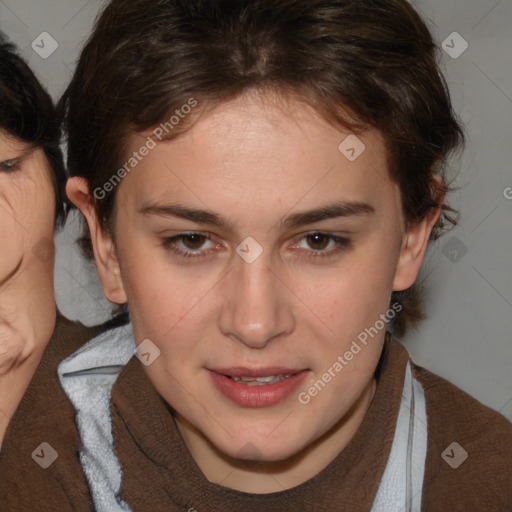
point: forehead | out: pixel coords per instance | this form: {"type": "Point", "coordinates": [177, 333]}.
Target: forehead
{"type": "Point", "coordinates": [10, 143]}
{"type": "Point", "coordinates": [260, 149]}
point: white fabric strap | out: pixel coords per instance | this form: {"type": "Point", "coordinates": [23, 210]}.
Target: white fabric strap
{"type": "Point", "coordinates": [87, 377]}
{"type": "Point", "coordinates": [400, 489]}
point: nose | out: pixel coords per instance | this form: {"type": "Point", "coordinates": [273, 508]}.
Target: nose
{"type": "Point", "coordinates": [257, 307]}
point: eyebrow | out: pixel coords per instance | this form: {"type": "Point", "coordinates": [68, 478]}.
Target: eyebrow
{"type": "Point", "coordinates": [329, 211]}
{"type": "Point", "coordinates": [20, 153]}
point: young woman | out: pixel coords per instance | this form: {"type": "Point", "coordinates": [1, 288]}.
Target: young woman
{"type": "Point", "coordinates": [260, 181]}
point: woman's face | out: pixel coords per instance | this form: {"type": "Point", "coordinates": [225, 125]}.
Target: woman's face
{"type": "Point", "coordinates": [230, 280]}
{"type": "Point", "coordinates": [27, 217]}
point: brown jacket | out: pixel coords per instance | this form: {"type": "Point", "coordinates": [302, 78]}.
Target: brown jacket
{"type": "Point", "coordinates": [45, 415]}
{"type": "Point", "coordinates": [160, 475]}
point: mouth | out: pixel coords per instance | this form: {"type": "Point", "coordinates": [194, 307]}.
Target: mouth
{"type": "Point", "coordinates": [260, 381]}
{"type": "Point", "coordinates": [257, 388]}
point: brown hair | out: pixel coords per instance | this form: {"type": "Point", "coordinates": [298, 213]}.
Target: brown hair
{"type": "Point", "coordinates": [27, 112]}
{"type": "Point", "coordinates": [373, 58]}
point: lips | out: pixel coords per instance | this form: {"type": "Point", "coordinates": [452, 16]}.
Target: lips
{"type": "Point", "coordinates": [248, 373]}
{"type": "Point", "coordinates": [257, 387]}
{"type": "Point", "coordinates": [257, 377]}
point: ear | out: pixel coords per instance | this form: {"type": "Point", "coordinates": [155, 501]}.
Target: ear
{"type": "Point", "coordinates": [414, 246]}
{"type": "Point", "coordinates": [77, 190]}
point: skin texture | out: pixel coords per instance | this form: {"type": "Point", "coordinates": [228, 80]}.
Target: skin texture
{"type": "Point", "coordinates": [255, 161]}
{"type": "Point", "coordinates": [27, 304]}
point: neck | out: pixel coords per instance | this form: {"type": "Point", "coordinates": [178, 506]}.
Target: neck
{"type": "Point", "coordinates": [27, 320]}
{"type": "Point", "coordinates": [267, 477]}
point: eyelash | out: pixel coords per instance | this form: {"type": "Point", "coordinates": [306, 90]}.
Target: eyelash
{"type": "Point", "coordinates": [342, 243]}
{"type": "Point", "coordinates": [10, 166]}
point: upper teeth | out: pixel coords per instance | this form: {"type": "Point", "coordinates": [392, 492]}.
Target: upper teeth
{"type": "Point", "coordinates": [263, 380]}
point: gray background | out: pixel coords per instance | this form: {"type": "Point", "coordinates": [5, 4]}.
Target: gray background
{"type": "Point", "coordinates": [467, 336]}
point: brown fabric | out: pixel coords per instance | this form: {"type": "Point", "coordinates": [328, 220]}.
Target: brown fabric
{"type": "Point", "coordinates": [160, 475]}
{"type": "Point", "coordinates": [483, 482]}
{"type": "Point", "coordinates": [45, 414]}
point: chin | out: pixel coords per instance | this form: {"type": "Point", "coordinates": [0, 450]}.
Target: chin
{"type": "Point", "coordinates": [259, 448]}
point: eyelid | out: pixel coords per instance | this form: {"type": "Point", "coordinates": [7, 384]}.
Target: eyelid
{"type": "Point", "coordinates": [170, 242]}
{"type": "Point", "coordinates": [15, 162]}
{"type": "Point", "coordinates": [340, 243]}
{"type": "Point", "coordinates": [10, 165]}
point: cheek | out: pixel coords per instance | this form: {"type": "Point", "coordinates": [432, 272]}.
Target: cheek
{"type": "Point", "coordinates": [26, 217]}
{"type": "Point", "coordinates": [357, 292]}
{"type": "Point", "coordinates": [164, 305]}
{"type": "Point", "coordinates": [12, 237]}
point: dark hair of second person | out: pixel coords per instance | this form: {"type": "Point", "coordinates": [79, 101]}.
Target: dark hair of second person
{"type": "Point", "coordinates": [27, 113]}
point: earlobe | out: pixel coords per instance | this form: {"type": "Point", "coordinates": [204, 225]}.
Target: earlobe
{"type": "Point", "coordinates": [77, 190]}
{"type": "Point", "coordinates": [414, 246]}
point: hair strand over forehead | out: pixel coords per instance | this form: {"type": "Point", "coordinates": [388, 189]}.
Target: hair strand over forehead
{"type": "Point", "coordinates": [27, 113]}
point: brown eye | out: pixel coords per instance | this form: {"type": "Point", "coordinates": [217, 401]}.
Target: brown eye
{"type": "Point", "coordinates": [318, 241]}
{"type": "Point", "coordinates": [319, 245]}
{"type": "Point", "coordinates": [187, 245]}
{"type": "Point", "coordinates": [193, 241]}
